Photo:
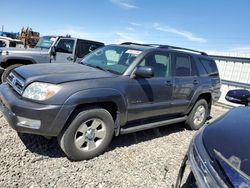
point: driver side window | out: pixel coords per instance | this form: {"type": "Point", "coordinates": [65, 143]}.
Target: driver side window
{"type": "Point", "coordinates": [159, 62]}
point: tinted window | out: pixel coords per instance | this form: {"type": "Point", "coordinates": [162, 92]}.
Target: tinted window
{"type": "Point", "coordinates": [12, 44]}
{"type": "Point", "coordinates": [2, 44]}
{"type": "Point", "coordinates": [210, 67]}
{"type": "Point", "coordinates": [183, 66]}
{"type": "Point", "coordinates": [65, 46]}
{"type": "Point", "coordinates": [159, 62]}
{"type": "Point", "coordinates": [83, 48]}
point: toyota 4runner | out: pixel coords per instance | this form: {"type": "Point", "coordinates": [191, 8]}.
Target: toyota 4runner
{"type": "Point", "coordinates": [117, 89]}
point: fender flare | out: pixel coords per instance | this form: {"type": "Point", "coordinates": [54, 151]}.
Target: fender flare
{"type": "Point", "coordinates": [196, 96]}
{"type": "Point", "coordinates": [16, 58]}
{"type": "Point", "coordinates": [98, 96]}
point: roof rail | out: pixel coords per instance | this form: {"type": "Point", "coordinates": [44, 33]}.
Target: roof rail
{"type": "Point", "coordinates": [180, 48]}
{"type": "Point", "coordinates": [132, 43]}
{"type": "Point", "coordinates": [164, 46]}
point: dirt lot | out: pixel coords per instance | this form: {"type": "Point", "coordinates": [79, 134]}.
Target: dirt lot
{"type": "Point", "coordinates": [145, 159]}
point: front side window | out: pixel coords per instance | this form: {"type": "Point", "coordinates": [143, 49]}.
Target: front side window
{"type": "Point", "coordinates": [65, 46]}
{"type": "Point", "coordinates": [183, 66]}
{"type": "Point", "coordinates": [115, 59]}
{"type": "Point", "coordinates": [160, 63]}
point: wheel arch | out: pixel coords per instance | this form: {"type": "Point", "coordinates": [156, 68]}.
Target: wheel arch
{"type": "Point", "coordinates": [14, 60]}
{"type": "Point", "coordinates": [108, 99]}
{"type": "Point", "coordinates": [206, 95]}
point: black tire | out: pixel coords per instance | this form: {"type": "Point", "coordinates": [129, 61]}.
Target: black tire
{"type": "Point", "coordinates": [8, 70]}
{"type": "Point", "coordinates": [190, 122]}
{"type": "Point", "coordinates": [67, 138]}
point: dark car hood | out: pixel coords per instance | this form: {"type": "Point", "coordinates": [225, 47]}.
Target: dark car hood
{"type": "Point", "coordinates": [60, 72]}
{"type": "Point", "coordinates": [228, 140]}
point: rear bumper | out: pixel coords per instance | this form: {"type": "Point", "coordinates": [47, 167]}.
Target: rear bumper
{"type": "Point", "coordinates": [30, 117]}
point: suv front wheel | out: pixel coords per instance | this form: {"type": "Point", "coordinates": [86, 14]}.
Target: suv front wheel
{"type": "Point", "coordinates": [88, 135]}
{"type": "Point", "coordinates": [198, 115]}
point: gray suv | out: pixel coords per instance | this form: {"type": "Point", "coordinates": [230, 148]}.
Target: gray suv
{"type": "Point", "coordinates": [117, 89]}
{"type": "Point", "coordinates": [49, 49]}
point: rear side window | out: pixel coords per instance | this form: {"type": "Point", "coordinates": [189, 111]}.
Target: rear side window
{"type": "Point", "coordinates": [2, 44]}
{"type": "Point", "coordinates": [183, 66]}
{"type": "Point", "coordinates": [83, 48]}
{"type": "Point", "coordinates": [65, 46]}
{"type": "Point", "coordinates": [210, 67]}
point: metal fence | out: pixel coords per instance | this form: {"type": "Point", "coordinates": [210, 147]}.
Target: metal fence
{"type": "Point", "coordinates": [234, 74]}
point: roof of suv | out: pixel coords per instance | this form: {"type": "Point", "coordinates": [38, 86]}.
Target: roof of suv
{"type": "Point", "coordinates": [163, 47]}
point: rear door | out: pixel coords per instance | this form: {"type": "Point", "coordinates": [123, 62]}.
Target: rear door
{"type": "Point", "coordinates": [186, 82]}
{"type": "Point", "coordinates": [65, 49]}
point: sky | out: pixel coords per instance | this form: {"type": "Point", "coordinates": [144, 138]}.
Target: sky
{"type": "Point", "coordinates": [214, 25]}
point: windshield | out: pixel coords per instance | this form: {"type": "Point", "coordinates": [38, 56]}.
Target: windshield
{"type": "Point", "coordinates": [45, 42]}
{"type": "Point", "coordinates": [115, 59]}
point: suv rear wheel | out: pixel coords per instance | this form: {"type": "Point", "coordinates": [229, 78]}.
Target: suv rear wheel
{"type": "Point", "coordinates": [88, 135]}
{"type": "Point", "coordinates": [198, 115]}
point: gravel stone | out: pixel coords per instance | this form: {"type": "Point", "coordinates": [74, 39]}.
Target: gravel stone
{"type": "Point", "coordinates": [148, 158]}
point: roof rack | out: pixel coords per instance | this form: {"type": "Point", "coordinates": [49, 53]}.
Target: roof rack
{"type": "Point", "coordinates": [132, 43]}
{"type": "Point", "coordinates": [180, 48]}
{"type": "Point", "coordinates": [165, 46]}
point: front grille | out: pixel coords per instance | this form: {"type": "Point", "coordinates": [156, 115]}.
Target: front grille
{"type": "Point", "coordinates": [16, 82]}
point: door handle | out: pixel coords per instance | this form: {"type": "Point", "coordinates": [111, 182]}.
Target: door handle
{"type": "Point", "coordinates": [168, 83]}
{"type": "Point", "coordinates": [196, 82]}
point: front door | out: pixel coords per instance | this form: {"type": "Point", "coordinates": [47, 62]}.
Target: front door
{"type": "Point", "coordinates": [150, 97]}
{"type": "Point", "coordinates": [65, 49]}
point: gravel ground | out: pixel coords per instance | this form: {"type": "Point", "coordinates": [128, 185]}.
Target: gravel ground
{"type": "Point", "coordinates": [145, 159]}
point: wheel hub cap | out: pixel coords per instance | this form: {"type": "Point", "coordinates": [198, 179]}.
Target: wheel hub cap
{"type": "Point", "coordinates": [90, 134]}
{"type": "Point", "coordinates": [199, 115]}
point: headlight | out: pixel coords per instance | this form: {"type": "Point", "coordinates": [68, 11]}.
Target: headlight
{"type": "Point", "coordinates": [40, 91]}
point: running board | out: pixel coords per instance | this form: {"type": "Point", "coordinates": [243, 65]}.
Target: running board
{"type": "Point", "coordinates": [151, 125]}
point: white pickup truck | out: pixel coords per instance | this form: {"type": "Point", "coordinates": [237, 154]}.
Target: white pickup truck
{"type": "Point", "coordinates": [8, 42]}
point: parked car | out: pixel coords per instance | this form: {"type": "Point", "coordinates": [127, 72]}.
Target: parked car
{"type": "Point", "coordinates": [117, 89]}
{"type": "Point", "coordinates": [49, 49]}
{"type": "Point", "coordinates": [219, 154]}
{"type": "Point", "coordinates": [7, 42]}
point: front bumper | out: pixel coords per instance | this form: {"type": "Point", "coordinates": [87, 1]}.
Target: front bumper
{"type": "Point", "coordinates": [30, 117]}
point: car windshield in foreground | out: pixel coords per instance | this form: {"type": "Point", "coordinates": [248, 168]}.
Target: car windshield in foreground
{"type": "Point", "coordinates": [45, 42]}
{"type": "Point", "coordinates": [115, 59]}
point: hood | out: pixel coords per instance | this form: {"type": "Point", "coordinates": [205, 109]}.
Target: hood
{"type": "Point", "coordinates": [24, 50]}
{"type": "Point", "coordinates": [228, 141]}
{"type": "Point", "coordinates": [60, 72]}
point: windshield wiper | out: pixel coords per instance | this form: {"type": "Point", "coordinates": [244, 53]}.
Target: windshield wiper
{"type": "Point", "coordinates": [97, 67]}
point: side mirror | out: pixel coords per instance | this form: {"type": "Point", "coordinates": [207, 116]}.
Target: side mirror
{"type": "Point", "coordinates": [239, 96]}
{"type": "Point", "coordinates": [53, 50]}
{"type": "Point", "coordinates": [144, 72]}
